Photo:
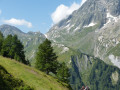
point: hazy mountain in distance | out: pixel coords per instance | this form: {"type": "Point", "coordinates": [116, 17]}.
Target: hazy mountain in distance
{"type": "Point", "coordinates": [30, 40]}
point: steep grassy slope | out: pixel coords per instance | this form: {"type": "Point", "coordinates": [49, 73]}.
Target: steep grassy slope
{"type": "Point", "coordinates": [8, 82]}
{"type": "Point", "coordinates": [32, 77]}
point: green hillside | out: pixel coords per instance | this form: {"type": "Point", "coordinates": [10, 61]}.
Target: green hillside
{"type": "Point", "coordinates": [30, 76]}
{"type": "Point", "coordinates": [8, 82]}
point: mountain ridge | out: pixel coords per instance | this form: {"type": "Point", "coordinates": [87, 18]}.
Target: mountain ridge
{"type": "Point", "coordinates": [30, 40]}
{"type": "Point", "coordinates": [86, 27]}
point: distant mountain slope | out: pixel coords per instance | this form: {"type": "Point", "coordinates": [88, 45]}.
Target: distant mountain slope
{"type": "Point", "coordinates": [8, 29]}
{"type": "Point", "coordinates": [94, 29]}
{"type": "Point", "coordinates": [32, 77]}
{"type": "Point", "coordinates": [92, 72]}
{"type": "Point", "coordinates": [30, 40]}
{"type": "Point", "coordinates": [86, 70]}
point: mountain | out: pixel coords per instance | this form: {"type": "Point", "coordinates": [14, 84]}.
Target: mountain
{"type": "Point", "coordinates": [91, 36]}
{"type": "Point", "coordinates": [93, 28]}
{"type": "Point", "coordinates": [30, 40]}
{"type": "Point", "coordinates": [88, 41]}
{"type": "Point", "coordinates": [7, 29]}
{"type": "Point", "coordinates": [92, 72]}
{"type": "Point", "coordinates": [30, 76]}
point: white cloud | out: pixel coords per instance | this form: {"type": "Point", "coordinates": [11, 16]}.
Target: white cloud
{"type": "Point", "coordinates": [0, 11]}
{"type": "Point", "coordinates": [14, 21]}
{"type": "Point", "coordinates": [83, 1]}
{"type": "Point", "coordinates": [63, 11]}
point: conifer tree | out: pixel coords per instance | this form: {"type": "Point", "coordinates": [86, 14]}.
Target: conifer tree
{"type": "Point", "coordinates": [6, 47]}
{"type": "Point", "coordinates": [46, 59]}
{"type": "Point", "coordinates": [63, 73]}
{"type": "Point", "coordinates": [18, 49]}
{"type": "Point", "coordinates": [13, 48]}
{"type": "Point", "coordinates": [1, 41]}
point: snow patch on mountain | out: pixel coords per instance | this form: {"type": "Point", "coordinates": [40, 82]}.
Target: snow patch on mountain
{"type": "Point", "coordinates": [76, 29]}
{"type": "Point", "coordinates": [90, 25]}
{"type": "Point", "coordinates": [115, 60]}
{"type": "Point", "coordinates": [112, 18]}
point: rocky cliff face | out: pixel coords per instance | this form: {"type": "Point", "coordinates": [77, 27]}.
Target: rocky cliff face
{"type": "Point", "coordinates": [89, 71]}
{"type": "Point", "coordinates": [93, 28]}
{"type": "Point", "coordinates": [92, 12]}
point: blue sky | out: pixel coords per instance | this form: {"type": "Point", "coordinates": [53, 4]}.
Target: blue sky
{"type": "Point", "coordinates": [35, 15]}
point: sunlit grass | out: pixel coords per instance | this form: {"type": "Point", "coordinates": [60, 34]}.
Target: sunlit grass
{"type": "Point", "coordinates": [31, 76]}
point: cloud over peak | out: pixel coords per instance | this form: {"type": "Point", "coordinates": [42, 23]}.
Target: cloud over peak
{"type": "Point", "coordinates": [20, 22]}
{"type": "Point", "coordinates": [0, 11]}
{"type": "Point", "coordinates": [63, 11]}
{"type": "Point", "coordinates": [83, 1]}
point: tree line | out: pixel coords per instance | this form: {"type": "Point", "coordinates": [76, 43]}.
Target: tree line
{"type": "Point", "coordinates": [12, 47]}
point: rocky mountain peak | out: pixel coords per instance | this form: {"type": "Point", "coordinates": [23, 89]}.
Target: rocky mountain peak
{"type": "Point", "coordinates": [91, 13]}
{"type": "Point", "coordinates": [93, 28]}
{"type": "Point", "coordinates": [8, 29]}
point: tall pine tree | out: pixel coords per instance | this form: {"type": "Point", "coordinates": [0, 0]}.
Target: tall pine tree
{"type": "Point", "coordinates": [46, 59]}
{"type": "Point", "coordinates": [1, 41]}
{"type": "Point", "coordinates": [6, 47]}
{"type": "Point", "coordinates": [63, 73]}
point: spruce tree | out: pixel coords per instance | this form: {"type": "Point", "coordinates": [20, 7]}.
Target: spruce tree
{"type": "Point", "coordinates": [13, 48]}
{"type": "Point", "coordinates": [6, 47]}
{"type": "Point", "coordinates": [18, 49]}
{"type": "Point", "coordinates": [46, 59]}
{"type": "Point", "coordinates": [63, 73]}
{"type": "Point", "coordinates": [1, 41]}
